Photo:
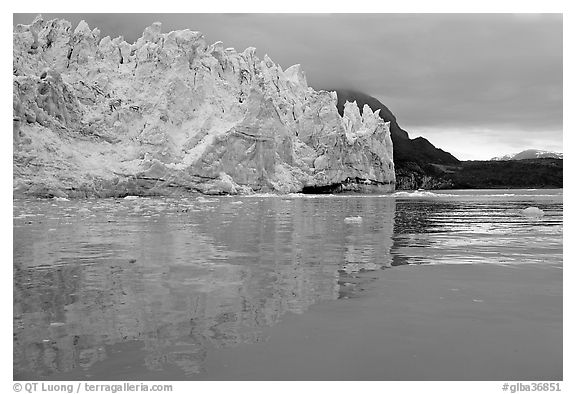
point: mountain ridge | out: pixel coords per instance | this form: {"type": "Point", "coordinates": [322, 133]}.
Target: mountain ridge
{"type": "Point", "coordinates": [404, 147]}
{"type": "Point", "coordinates": [530, 154]}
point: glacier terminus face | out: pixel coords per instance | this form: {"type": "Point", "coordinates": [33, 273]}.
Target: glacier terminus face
{"type": "Point", "coordinates": [169, 113]}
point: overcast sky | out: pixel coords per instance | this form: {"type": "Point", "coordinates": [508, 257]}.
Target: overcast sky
{"type": "Point", "coordinates": [476, 85]}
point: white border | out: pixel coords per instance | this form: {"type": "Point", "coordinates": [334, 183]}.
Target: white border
{"type": "Point", "coordinates": [191, 6]}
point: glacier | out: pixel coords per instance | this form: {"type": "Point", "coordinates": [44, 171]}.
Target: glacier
{"type": "Point", "coordinates": [169, 113]}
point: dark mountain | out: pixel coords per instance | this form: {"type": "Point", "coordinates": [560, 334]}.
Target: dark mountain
{"type": "Point", "coordinates": [418, 150]}
{"type": "Point", "coordinates": [413, 158]}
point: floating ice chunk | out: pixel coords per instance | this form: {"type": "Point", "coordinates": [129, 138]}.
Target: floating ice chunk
{"type": "Point", "coordinates": [353, 219]}
{"type": "Point", "coordinates": [84, 210]}
{"type": "Point", "coordinates": [60, 199]}
{"type": "Point", "coordinates": [417, 193]}
{"type": "Point", "coordinates": [267, 195]}
{"type": "Point", "coordinates": [357, 267]}
{"type": "Point", "coordinates": [426, 194]}
{"type": "Point", "coordinates": [533, 212]}
{"type": "Point", "coordinates": [202, 199]}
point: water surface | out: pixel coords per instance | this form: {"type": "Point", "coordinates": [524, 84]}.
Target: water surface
{"type": "Point", "coordinates": [166, 288]}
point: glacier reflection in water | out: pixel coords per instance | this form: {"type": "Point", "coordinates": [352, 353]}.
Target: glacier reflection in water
{"type": "Point", "coordinates": [161, 281]}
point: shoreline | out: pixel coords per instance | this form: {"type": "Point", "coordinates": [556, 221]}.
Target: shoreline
{"type": "Point", "coordinates": [176, 194]}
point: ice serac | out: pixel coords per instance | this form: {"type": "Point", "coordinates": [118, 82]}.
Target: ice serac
{"type": "Point", "coordinates": [169, 113]}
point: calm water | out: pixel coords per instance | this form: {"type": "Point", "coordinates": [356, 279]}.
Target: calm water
{"type": "Point", "coordinates": [156, 285]}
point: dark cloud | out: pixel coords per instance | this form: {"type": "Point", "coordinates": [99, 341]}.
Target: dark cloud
{"type": "Point", "coordinates": [498, 72]}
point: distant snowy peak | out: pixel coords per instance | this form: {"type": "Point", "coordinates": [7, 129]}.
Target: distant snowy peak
{"type": "Point", "coordinates": [530, 154]}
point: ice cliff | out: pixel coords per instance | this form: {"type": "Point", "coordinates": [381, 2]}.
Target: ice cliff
{"type": "Point", "coordinates": [170, 113]}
